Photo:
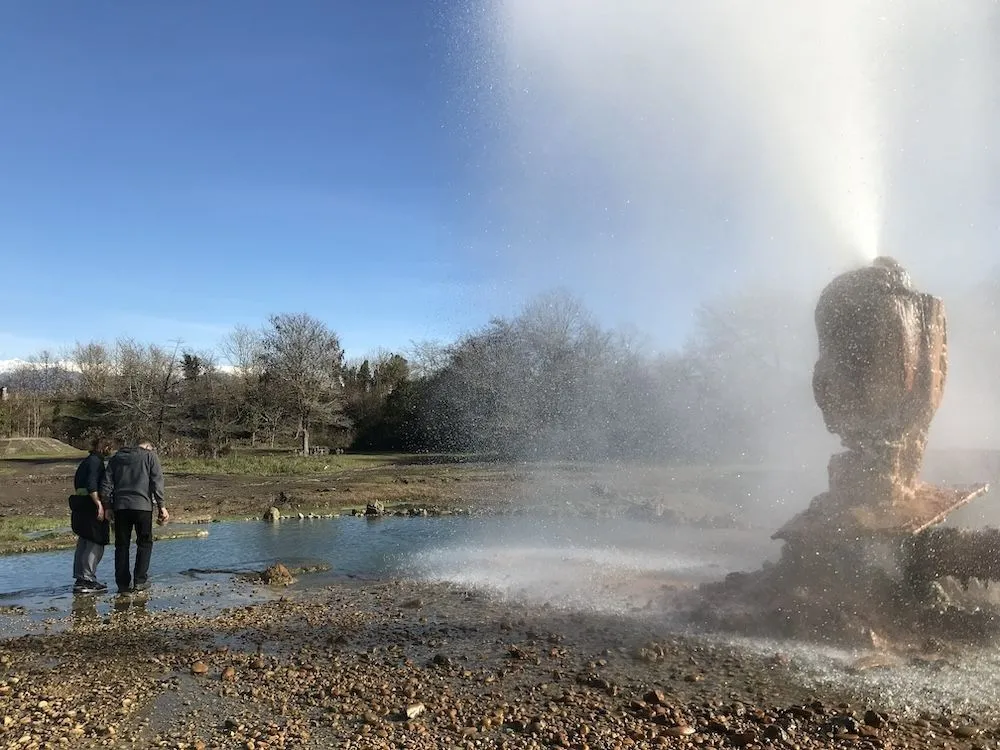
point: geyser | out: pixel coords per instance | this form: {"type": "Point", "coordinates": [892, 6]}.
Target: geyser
{"type": "Point", "coordinates": [660, 151]}
{"type": "Point", "coordinates": [863, 556]}
{"type": "Point", "coordinates": [778, 124]}
{"type": "Point", "coordinates": [652, 143]}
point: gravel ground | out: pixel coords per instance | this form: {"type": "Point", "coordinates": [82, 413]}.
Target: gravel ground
{"type": "Point", "coordinates": [400, 664]}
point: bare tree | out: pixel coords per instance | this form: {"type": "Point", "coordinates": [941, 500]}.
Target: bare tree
{"type": "Point", "coordinates": [36, 386]}
{"type": "Point", "coordinates": [28, 402]}
{"type": "Point", "coordinates": [428, 358]}
{"type": "Point", "coordinates": [143, 395]}
{"type": "Point", "coordinates": [271, 409]}
{"type": "Point", "coordinates": [168, 370]}
{"type": "Point", "coordinates": [50, 375]}
{"type": "Point", "coordinates": [751, 355]}
{"type": "Point", "coordinates": [95, 364]}
{"type": "Point", "coordinates": [549, 382]}
{"type": "Point", "coordinates": [211, 408]}
{"type": "Point", "coordinates": [304, 358]}
{"type": "Point", "coordinates": [242, 349]}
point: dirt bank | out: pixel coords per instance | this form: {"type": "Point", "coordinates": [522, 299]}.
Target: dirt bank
{"type": "Point", "coordinates": [38, 487]}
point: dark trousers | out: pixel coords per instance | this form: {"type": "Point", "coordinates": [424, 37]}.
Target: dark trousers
{"type": "Point", "coordinates": [142, 522]}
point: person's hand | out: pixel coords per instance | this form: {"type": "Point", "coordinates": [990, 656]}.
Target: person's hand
{"type": "Point", "coordinates": [164, 516]}
{"type": "Point", "coordinates": [100, 513]}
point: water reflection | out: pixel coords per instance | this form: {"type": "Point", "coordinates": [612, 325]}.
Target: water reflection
{"type": "Point", "coordinates": [134, 604]}
{"type": "Point", "coordinates": [84, 610]}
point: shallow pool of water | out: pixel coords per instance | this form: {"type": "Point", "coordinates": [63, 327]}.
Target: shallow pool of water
{"type": "Point", "coordinates": [576, 562]}
{"type": "Point", "coordinates": [581, 564]}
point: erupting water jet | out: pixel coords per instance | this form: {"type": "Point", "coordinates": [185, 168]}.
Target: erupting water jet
{"type": "Point", "coordinates": [864, 553]}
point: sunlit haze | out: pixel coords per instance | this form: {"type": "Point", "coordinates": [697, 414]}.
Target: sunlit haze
{"type": "Point", "coordinates": [664, 153]}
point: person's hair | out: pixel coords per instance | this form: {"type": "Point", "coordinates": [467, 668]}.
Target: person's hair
{"type": "Point", "coordinates": [144, 443]}
{"type": "Point", "coordinates": [100, 445]}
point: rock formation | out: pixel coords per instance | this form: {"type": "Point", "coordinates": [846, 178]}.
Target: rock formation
{"type": "Point", "coordinates": [879, 379]}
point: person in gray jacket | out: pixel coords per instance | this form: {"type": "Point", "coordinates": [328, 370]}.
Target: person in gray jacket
{"type": "Point", "coordinates": [134, 482]}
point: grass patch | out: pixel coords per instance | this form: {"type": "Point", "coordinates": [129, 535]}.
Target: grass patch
{"type": "Point", "coordinates": [271, 464]}
{"type": "Point", "coordinates": [24, 534]}
{"type": "Point", "coordinates": [20, 528]}
{"type": "Point", "coordinates": [49, 543]}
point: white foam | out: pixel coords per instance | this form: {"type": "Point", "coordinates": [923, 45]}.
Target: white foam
{"type": "Point", "coordinates": [571, 576]}
{"type": "Point", "coordinates": [969, 684]}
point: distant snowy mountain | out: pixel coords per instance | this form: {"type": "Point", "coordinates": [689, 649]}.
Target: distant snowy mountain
{"type": "Point", "coordinates": [9, 365]}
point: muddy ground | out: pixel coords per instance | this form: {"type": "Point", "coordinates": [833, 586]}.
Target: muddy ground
{"type": "Point", "coordinates": [405, 664]}
{"type": "Point", "coordinates": [38, 487]}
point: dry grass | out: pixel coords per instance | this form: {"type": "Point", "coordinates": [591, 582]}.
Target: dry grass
{"type": "Point", "coordinates": [276, 464]}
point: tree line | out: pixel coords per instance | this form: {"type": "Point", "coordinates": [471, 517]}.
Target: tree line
{"type": "Point", "coordinates": [548, 382]}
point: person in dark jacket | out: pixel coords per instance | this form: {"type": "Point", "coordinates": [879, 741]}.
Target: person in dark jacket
{"type": "Point", "coordinates": [134, 482]}
{"type": "Point", "coordinates": [89, 519]}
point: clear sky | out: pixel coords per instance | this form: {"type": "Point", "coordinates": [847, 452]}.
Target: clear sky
{"type": "Point", "coordinates": [170, 169]}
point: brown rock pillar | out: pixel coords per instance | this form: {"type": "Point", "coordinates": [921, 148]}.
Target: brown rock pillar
{"type": "Point", "coordinates": [878, 380]}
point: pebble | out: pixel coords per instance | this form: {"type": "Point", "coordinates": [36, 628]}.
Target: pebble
{"type": "Point", "coordinates": [414, 710]}
{"type": "Point", "coordinates": [680, 731]}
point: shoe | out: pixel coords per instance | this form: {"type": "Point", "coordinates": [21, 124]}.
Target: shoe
{"type": "Point", "coordinates": [99, 586]}
{"type": "Point", "coordinates": [141, 586]}
{"type": "Point", "coordinates": [87, 587]}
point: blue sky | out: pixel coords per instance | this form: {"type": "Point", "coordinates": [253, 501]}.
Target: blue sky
{"type": "Point", "coordinates": [169, 170]}
{"type": "Point", "coordinates": [406, 170]}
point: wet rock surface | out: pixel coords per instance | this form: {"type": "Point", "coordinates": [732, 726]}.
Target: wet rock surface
{"type": "Point", "coordinates": [880, 374]}
{"type": "Point", "coordinates": [863, 558]}
{"type": "Point", "coordinates": [277, 575]}
{"type": "Point", "coordinates": [399, 664]}
{"type": "Point", "coordinates": [879, 379]}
